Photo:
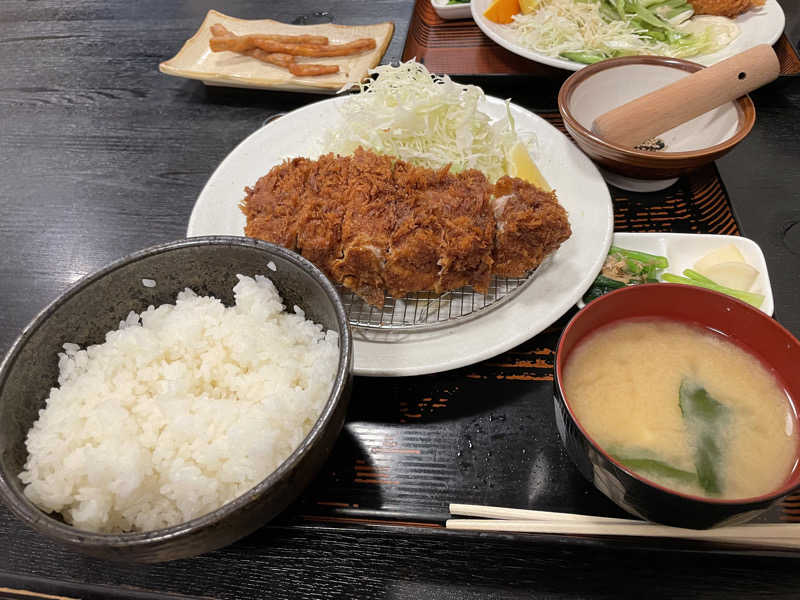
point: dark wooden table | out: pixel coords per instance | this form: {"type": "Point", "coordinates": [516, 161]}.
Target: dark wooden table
{"type": "Point", "coordinates": [101, 155]}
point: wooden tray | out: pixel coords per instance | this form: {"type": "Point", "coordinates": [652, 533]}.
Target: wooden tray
{"type": "Point", "coordinates": [403, 456]}
{"type": "Point", "coordinates": [460, 48]}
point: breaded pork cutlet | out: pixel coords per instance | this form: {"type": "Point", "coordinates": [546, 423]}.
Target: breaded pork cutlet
{"type": "Point", "coordinates": [322, 206]}
{"type": "Point", "coordinates": [367, 224]}
{"type": "Point", "coordinates": [724, 8]}
{"type": "Point", "coordinates": [465, 213]}
{"type": "Point", "coordinates": [443, 234]}
{"type": "Point", "coordinates": [379, 225]}
{"type": "Point", "coordinates": [530, 224]}
{"type": "Point", "coordinates": [273, 203]}
{"type": "Point", "coordinates": [412, 263]}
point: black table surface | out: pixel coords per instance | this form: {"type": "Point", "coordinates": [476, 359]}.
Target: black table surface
{"type": "Point", "coordinates": [101, 155]}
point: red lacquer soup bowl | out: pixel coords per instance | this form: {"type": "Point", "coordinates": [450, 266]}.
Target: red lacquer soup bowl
{"type": "Point", "coordinates": [742, 324]}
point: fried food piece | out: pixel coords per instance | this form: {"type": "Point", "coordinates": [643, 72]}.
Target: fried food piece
{"type": "Point", "coordinates": [312, 70]}
{"type": "Point", "coordinates": [248, 45]}
{"type": "Point", "coordinates": [530, 224]}
{"type": "Point", "coordinates": [276, 58]}
{"type": "Point", "coordinates": [321, 211]}
{"type": "Point", "coordinates": [367, 226]}
{"type": "Point", "coordinates": [315, 51]}
{"type": "Point", "coordinates": [443, 238]}
{"type": "Point", "coordinates": [273, 204]}
{"type": "Point", "coordinates": [219, 30]}
{"type": "Point", "coordinates": [464, 205]}
{"type": "Point", "coordinates": [287, 62]}
{"type": "Point", "coordinates": [724, 8]}
{"type": "Point", "coordinates": [413, 260]}
{"type": "Point", "coordinates": [247, 42]}
{"type": "Point", "coordinates": [380, 225]}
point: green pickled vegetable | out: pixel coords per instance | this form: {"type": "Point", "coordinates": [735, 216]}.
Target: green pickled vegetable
{"type": "Point", "coordinates": [625, 267]}
{"type": "Point", "coordinates": [695, 276]}
{"type": "Point", "coordinates": [602, 285]}
{"type": "Point", "coordinates": [705, 420]}
{"type": "Point", "coordinates": [750, 297]}
{"type": "Point", "coordinates": [660, 262]}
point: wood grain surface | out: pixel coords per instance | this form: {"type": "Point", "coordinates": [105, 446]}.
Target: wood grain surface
{"type": "Point", "coordinates": [100, 155]}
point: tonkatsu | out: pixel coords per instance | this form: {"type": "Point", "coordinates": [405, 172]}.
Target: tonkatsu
{"type": "Point", "coordinates": [379, 225]}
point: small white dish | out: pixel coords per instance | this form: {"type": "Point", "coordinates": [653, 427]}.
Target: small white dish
{"type": "Point", "coordinates": [684, 249]}
{"type": "Point", "coordinates": [451, 11]}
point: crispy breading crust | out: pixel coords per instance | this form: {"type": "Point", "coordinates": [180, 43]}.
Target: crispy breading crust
{"type": "Point", "coordinates": [379, 225]}
{"type": "Point", "coordinates": [724, 8]}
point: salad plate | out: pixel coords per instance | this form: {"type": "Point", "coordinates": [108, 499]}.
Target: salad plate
{"type": "Point", "coordinates": [762, 25]}
{"type": "Point", "coordinates": [553, 289]}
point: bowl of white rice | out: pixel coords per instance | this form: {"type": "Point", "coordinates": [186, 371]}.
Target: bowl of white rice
{"type": "Point", "coordinates": [174, 401]}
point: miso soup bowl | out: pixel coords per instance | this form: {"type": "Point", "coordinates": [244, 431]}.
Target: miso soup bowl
{"type": "Point", "coordinates": [744, 325]}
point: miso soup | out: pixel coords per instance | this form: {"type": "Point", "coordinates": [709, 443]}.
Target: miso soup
{"type": "Point", "coordinates": [683, 407]}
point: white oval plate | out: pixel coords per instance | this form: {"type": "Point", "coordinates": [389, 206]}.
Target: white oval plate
{"type": "Point", "coordinates": [557, 285]}
{"type": "Point", "coordinates": [684, 249]}
{"type": "Point", "coordinates": [761, 26]}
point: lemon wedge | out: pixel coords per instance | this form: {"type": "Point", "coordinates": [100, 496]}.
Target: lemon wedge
{"type": "Point", "coordinates": [502, 11]}
{"type": "Point", "coordinates": [520, 164]}
{"type": "Point", "coordinates": [529, 6]}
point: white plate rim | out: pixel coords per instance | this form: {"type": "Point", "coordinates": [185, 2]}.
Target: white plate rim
{"type": "Point", "coordinates": [772, 8]}
{"type": "Point", "coordinates": [484, 336]}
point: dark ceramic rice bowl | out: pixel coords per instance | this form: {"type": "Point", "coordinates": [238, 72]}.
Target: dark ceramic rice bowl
{"type": "Point", "coordinates": [95, 305]}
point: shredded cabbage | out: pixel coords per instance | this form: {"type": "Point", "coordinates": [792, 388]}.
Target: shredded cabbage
{"type": "Point", "coordinates": [579, 27]}
{"type": "Point", "coordinates": [425, 119]}
{"type": "Point", "coordinates": [567, 26]}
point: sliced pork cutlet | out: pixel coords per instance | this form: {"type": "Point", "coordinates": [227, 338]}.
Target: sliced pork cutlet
{"type": "Point", "coordinates": [367, 226]}
{"type": "Point", "coordinates": [412, 264]}
{"type": "Point", "coordinates": [530, 224]}
{"type": "Point", "coordinates": [321, 210]}
{"type": "Point", "coordinates": [463, 202]}
{"type": "Point", "coordinates": [273, 203]}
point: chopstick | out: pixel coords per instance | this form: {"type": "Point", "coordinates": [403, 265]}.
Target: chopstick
{"type": "Point", "coordinates": [500, 512]}
{"type": "Point", "coordinates": [773, 535]}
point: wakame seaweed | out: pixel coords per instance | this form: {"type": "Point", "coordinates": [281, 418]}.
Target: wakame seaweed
{"type": "Point", "coordinates": [657, 468]}
{"type": "Point", "coordinates": [705, 420]}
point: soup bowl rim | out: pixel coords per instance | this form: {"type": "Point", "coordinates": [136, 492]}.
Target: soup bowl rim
{"type": "Point", "coordinates": [791, 482]}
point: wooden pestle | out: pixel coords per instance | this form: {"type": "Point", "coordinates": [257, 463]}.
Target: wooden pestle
{"type": "Point", "coordinates": [652, 114]}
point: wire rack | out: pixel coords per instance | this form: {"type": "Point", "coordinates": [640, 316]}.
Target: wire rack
{"type": "Point", "coordinates": [427, 310]}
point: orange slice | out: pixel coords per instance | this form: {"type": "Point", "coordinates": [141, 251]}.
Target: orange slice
{"type": "Point", "coordinates": [501, 11]}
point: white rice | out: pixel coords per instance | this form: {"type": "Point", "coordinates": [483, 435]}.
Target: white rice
{"type": "Point", "coordinates": [182, 409]}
